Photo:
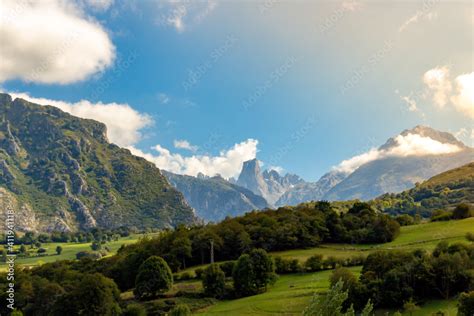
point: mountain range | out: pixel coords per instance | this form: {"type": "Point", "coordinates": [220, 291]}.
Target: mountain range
{"type": "Point", "coordinates": [60, 173]}
{"type": "Point", "coordinates": [215, 198]}
{"type": "Point", "coordinates": [413, 156]}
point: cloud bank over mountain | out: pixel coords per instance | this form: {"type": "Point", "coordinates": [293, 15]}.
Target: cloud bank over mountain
{"type": "Point", "coordinates": [404, 146]}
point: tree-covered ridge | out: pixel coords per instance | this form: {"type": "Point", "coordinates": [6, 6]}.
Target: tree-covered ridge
{"type": "Point", "coordinates": [60, 173]}
{"type": "Point", "coordinates": [304, 226]}
{"type": "Point", "coordinates": [441, 192]}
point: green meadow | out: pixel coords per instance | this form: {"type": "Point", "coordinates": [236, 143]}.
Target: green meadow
{"type": "Point", "coordinates": [69, 251]}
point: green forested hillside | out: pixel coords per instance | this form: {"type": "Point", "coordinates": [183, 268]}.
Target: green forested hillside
{"type": "Point", "coordinates": [59, 172]}
{"type": "Point", "coordinates": [443, 191]}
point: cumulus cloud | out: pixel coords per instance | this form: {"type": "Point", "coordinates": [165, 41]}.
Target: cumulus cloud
{"type": "Point", "coordinates": [463, 101]}
{"type": "Point", "coordinates": [404, 146]}
{"type": "Point", "coordinates": [228, 163]}
{"type": "Point", "coordinates": [440, 89]}
{"type": "Point", "coordinates": [184, 144]}
{"type": "Point", "coordinates": [51, 42]}
{"type": "Point", "coordinates": [351, 164]}
{"type": "Point", "coordinates": [123, 122]}
{"type": "Point", "coordinates": [437, 80]}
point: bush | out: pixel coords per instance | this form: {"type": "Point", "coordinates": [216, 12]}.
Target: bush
{"type": "Point", "coordinates": [88, 254]}
{"type": "Point", "coordinates": [466, 304]}
{"type": "Point", "coordinates": [462, 211]}
{"type": "Point", "coordinates": [441, 215]}
{"type": "Point", "coordinates": [227, 267]}
{"type": "Point", "coordinates": [346, 276]}
{"type": "Point", "coordinates": [285, 266]}
{"type": "Point", "coordinates": [41, 251]}
{"type": "Point", "coordinates": [213, 281]}
{"type": "Point", "coordinates": [185, 276]}
{"type": "Point", "coordinates": [405, 220]}
{"type": "Point", "coordinates": [355, 261]}
{"type": "Point", "coordinates": [59, 249]}
{"type": "Point", "coordinates": [470, 236]}
{"type": "Point", "coordinates": [134, 310]}
{"type": "Point", "coordinates": [180, 310]}
{"type": "Point", "coordinates": [199, 272]}
{"type": "Point", "coordinates": [154, 276]}
{"type": "Point", "coordinates": [314, 263]}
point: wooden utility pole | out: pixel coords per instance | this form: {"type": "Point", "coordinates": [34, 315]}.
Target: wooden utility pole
{"type": "Point", "coordinates": [212, 250]}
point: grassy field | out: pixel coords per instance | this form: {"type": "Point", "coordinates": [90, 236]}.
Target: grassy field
{"type": "Point", "coordinates": [69, 251]}
{"type": "Point", "coordinates": [292, 293]}
{"type": "Point", "coordinates": [426, 236]}
{"type": "Point", "coordinates": [288, 296]}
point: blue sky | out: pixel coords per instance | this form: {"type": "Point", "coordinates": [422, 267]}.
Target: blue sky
{"type": "Point", "coordinates": [312, 83]}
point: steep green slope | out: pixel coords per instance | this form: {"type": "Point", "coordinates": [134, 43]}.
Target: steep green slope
{"type": "Point", "coordinates": [443, 191]}
{"type": "Point", "coordinates": [59, 172]}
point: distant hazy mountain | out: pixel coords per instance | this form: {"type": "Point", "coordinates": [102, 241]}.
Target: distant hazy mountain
{"type": "Point", "coordinates": [268, 184]}
{"type": "Point", "coordinates": [59, 172]}
{"type": "Point", "coordinates": [394, 172]}
{"type": "Point", "coordinates": [311, 191]}
{"type": "Point", "coordinates": [214, 198]}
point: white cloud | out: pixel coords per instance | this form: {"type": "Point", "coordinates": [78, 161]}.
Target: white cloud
{"type": "Point", "coordinates": [440, 89]}
{"type": "Point", "coordinates": [417, 145]}
{"type": "Point", "coordinates": [437, 80]}
{"type": "Point", "coordinates": [163, 98]}
{"type": "Point", "coordinates": [422, 14]}
{"type": "Point", "coordinates": [463, 101]}
{"type": "Point", "coordinates": [349, 165]}
{"type": "Point", "coordinates": [411, 103]}
{"type": "Point", "coordinates": [181, 14]}
{"type": "Point", "coordinates": [228, 163]}
{"type": "Point", "coordinates": [405, 145]}
{"type": "Point", "coordinates": [51, 42]}
{"type": "Point", "coordinates": [123, 122]}
{"type": "Point", "coordinates": [184, 144]}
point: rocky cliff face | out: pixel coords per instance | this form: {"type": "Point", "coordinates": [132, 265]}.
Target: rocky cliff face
{"type": "Point", "coordinates": [214, 198]}
{"type": "Point", "coordinates": [311, 191]}
{"type": "Point", "coordinates": [59, 172]}
{"type": "Point", "coordinates": [269, 184]}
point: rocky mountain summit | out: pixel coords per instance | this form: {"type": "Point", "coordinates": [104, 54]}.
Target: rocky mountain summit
{"type": "Point", "coordinates": [269, 184]}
